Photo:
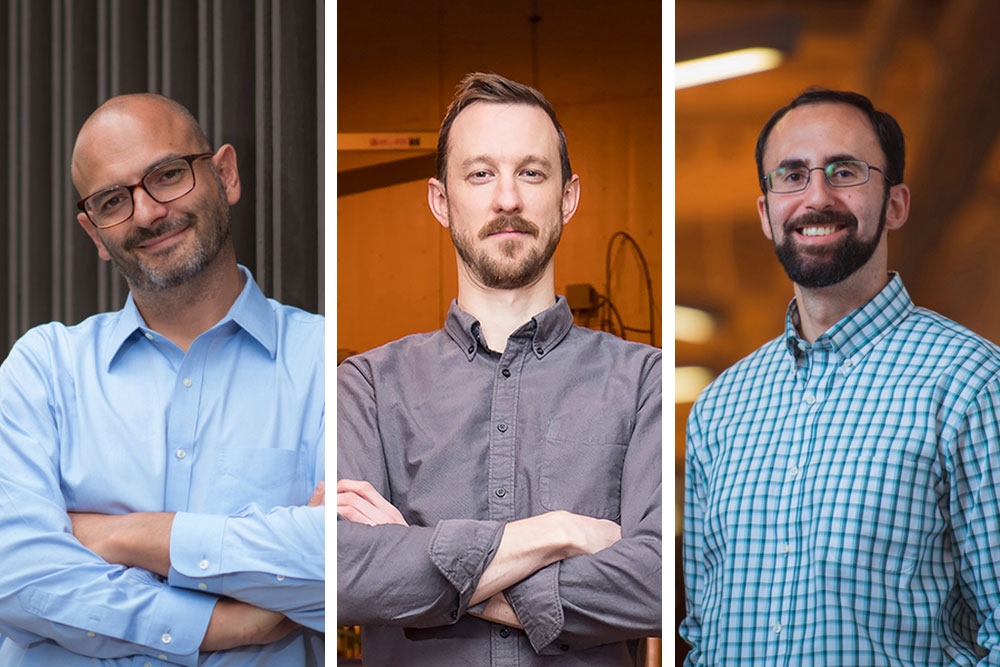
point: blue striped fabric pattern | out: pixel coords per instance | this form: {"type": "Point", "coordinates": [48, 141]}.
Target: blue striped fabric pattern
{"type": "Point", "coordinates": [842, 498]}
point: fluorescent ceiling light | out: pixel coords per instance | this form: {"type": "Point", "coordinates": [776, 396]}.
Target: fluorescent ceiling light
{"type": "Point", "coordinates": [692, 325]}
{"type": "Point", "coordinates": [725, 66]}
{"type": "Point", "coordinates": [689, 381]}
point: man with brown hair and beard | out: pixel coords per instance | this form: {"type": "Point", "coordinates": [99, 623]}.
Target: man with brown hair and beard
{"type": "Point", "coordinates": [842, 487]}
{"type": "Point", "coordinates": [499, 479]}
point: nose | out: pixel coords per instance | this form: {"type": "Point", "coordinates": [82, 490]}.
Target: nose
{"type": "Point", "coordinates": [819, 194]}
{"type": "Point", "coordinates": [146, 210]}
{"type": "Point", "coordinates": [507, 195]}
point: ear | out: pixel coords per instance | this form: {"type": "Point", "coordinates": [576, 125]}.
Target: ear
{"type": "Point", "coordinates": [570, 198]}
{"type": "Point", "coordinates": [897, 209]}
{"type": "Point", "coordinates": [224, 162]}
{"type": "Point", "coordinates": [765, 218]}
{"type": "Point", "coordinates": [437, 199]}
{"type": "Point", "coordinates": [94, 236]}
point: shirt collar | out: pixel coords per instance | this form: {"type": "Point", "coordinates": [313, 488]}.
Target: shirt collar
{"type": "Point", "coordinates": [547, 328]}
{"type": "Point", "coordinates": [251, 311]}
{"type": "Point", "coordinates": [861, 328]}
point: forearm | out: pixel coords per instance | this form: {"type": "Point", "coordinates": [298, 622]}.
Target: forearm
{"type": "Point", "coordinates": [498, 610]}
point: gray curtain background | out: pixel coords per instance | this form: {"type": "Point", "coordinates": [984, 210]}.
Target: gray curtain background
{"type": "Point", "coordinates": [251, 71]}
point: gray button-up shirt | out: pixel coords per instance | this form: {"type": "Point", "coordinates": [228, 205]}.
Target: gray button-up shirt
{"type": "Point", "coordinates": [464, 440]}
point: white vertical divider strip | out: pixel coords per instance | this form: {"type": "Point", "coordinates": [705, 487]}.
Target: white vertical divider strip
{"type": "Point", "coordinates": [65, 117]}
{"type": "Point", "coordinates": [201, 113]}
{"type": "Point", "coordinates": [320, 160]}
{"type": "Point", "coordinates": [56, 178]}
{"type": "Point", "coordinates": [117, 298]}
{"type": "Point", "coordinates": [260, 98]}
{"type": "Point", "coordinates": [105, 85]}
{"type": "Point", "coordinates": [13, 169]}
{"type": "Point", "coordinates": [277, 251]}
{"type": "Point", "coordinates": [24, 162]}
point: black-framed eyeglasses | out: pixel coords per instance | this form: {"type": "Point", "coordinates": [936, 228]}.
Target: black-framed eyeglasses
{"type": "Point", "coordinates": [839, 174]}
{"type": "Point", "coordinates": [165, 182]}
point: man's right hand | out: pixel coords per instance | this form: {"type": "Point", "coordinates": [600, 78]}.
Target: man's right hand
{"type": "Point", "coordinates": [358, 501]}
{"type": "Point", "coordinates": [236, 624]}
{"type": "Point", "coordinates": [583, 534]}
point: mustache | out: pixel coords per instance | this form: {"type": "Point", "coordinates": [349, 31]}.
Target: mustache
{"type": "Point", "coordinates": [142, 234]}
{"type": "Point", "coordinates": [820, 218]}
{"type": "Point", "coordinates": [505, 223]}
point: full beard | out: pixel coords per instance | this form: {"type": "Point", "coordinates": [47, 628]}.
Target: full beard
{"type": "Point", "coordinates": [212, 229]}
{"type": "Point", "coordinates": [812, 268]}
{"type": "Point", "coordinates": [497, 274]}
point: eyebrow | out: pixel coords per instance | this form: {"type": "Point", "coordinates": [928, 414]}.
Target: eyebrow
{"type": "Point", "coordinates": [486, 159]}
{"type": "Point", "coordinates": [159, 161]}
{"type": "Point", "coordinates": [795, 163]}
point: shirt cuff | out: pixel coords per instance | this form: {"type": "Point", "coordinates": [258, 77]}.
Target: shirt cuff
{"type": "Point", "coordinates": [461, 549]}
{"type": "Point", "coordinates": [196, 551]}
{"type": "Point", "coordinates": [536, 602]}
{"type": "Point", "coordinates": [181, 623]}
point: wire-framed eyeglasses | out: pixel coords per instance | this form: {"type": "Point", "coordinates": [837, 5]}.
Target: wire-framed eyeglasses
{"type": "Point", "coordinates": [839, 174]}
{"type": "Point", "coordinates": [164, 182]}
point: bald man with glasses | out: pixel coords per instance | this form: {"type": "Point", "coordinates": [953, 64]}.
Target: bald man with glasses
{"type": "Point", "coordinates": [161, 488]}
{"type": "Point", "coordinates": [842, 488]}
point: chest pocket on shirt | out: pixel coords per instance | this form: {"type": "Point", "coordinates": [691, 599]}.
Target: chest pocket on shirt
{"type": "Point", "coordinates": [268, 477]}
{"type": "Point", "coordinates": [582, 463]}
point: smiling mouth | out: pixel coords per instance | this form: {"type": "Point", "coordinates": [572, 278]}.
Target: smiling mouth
{"type": "Point", "coordinates": [154, 242]}
{"type": "Point", "coordinates": [819, 230]}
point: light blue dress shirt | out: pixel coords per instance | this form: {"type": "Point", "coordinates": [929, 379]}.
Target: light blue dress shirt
{"type": "Point", "coordinates": [109, 416]}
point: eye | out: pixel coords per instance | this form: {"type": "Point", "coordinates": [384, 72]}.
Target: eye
{"type": "Point", "coordinates": [533, 175]}
{"type": "Point", "coordinates": [479, 176]}
{"type": "Point", "coordinates": [168, 175]}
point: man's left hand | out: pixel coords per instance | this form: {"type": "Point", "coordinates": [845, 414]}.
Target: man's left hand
{"type": "Point", "coordinates": [358, 501]}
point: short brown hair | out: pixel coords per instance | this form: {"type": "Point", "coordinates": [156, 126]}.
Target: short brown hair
{"type": "Point", "coordinates": [496, 89]}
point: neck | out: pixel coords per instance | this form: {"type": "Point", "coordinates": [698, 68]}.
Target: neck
{"type": "Point", "coordinates": [184, 312]}
{"type": "Point", "coordinates": [822, 307]}
{"type": "Point", "coordinates": [501, 312]}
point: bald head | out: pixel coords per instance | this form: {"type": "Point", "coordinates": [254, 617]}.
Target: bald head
{"type": "Point", "coordinates": [130, 122]}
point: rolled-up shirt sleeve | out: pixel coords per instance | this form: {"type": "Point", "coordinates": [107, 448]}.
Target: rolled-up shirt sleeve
{"type": "Point", "coordinates": [52, 588]}
{"type": "Point", "coordinates": [614, 594]}
{"type": "Point", "coordinates": [269, 559]}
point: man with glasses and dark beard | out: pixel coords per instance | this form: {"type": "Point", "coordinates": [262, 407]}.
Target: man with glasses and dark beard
{"type": "Point", "coordinates": [160, 486]}
{"type": "Point", "coordinates": [842, 490]}
{"type": "Point", "coordinates": [499, 479]}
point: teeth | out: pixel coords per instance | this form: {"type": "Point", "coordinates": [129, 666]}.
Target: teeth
{"type": "Point", "coordinates": [818, 231]}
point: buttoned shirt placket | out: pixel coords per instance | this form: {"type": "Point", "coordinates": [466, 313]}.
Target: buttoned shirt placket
{"type": "Point", "coordinates": [502, 460]}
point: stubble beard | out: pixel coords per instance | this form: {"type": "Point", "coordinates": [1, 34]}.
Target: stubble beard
{"type": "Point", "coordinates": [212, 229]}
{"type": "Point", "coordinates": [810, 268]}
{"type": "Point", "coordinates": [507, 275]}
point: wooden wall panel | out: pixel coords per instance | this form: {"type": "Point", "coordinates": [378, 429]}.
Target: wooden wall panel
{"type": "Point", "coordinates": [248, 70]}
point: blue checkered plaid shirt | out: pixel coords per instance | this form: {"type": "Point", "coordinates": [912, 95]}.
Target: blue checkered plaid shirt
{"type": "Point", "coordinates": [842, 500]}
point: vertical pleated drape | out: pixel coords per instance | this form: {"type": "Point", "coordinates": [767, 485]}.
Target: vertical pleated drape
{"type": "Point", "coordinates": [250, 70]}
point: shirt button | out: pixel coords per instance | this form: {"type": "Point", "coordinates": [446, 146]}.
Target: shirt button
{"type": "Point", "coordinates": [786, 548]}
{"type": "Point", "coordinates": [91, 634]}
{"type": "Point", "coordinates": [777, 628]}
{"type": "Point", "coordinates": [472, 348]}
{"type": "Point", "coordinates": [147, 664]}
{"type": "Point", "coordinates": [148, 336]}
{"type": "Point", "coordinates": [280, 577]}
{"type": "Point", "coordinates": [162, 656]}
{"type": "Point", "coordinates": [539, 349]}
{"type": "Point", "coordinates": [564, 647]}
{"type": "Point", "coordinates": [180, 453]}
{"type": "Point", "coordinates": [809, 399]}
{"type": "Point", "coordinates": [166, 638]}
{"type": "Point", "coordinates": [801, 346]}
{"type": "Point", "coordinates": [505, 372]}
{"type": "Point", "coordinates": [502, 428]}
{"type": "Point", "coordinates": [501, 492]}
{"type": "Point", "coordinates": [187, 382]}
{"type": "Point", "coordinates": [504, 632]}
{"type": "Point", "coordinates": [454, 615]}
{"type": "Point", "coordinates": [793, 472]}
{"type": "Point", "coordinates": [202, 587]}
{"type": "Point", "coordinates": [203, 565]}
{"type": "Point", "coordinates": [847, 363]}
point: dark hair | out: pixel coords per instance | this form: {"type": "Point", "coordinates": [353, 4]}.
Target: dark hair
{"type": "Point", "coordinates": [495, 89]}
{"type": "Point", "coordinates": [889, 134]}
